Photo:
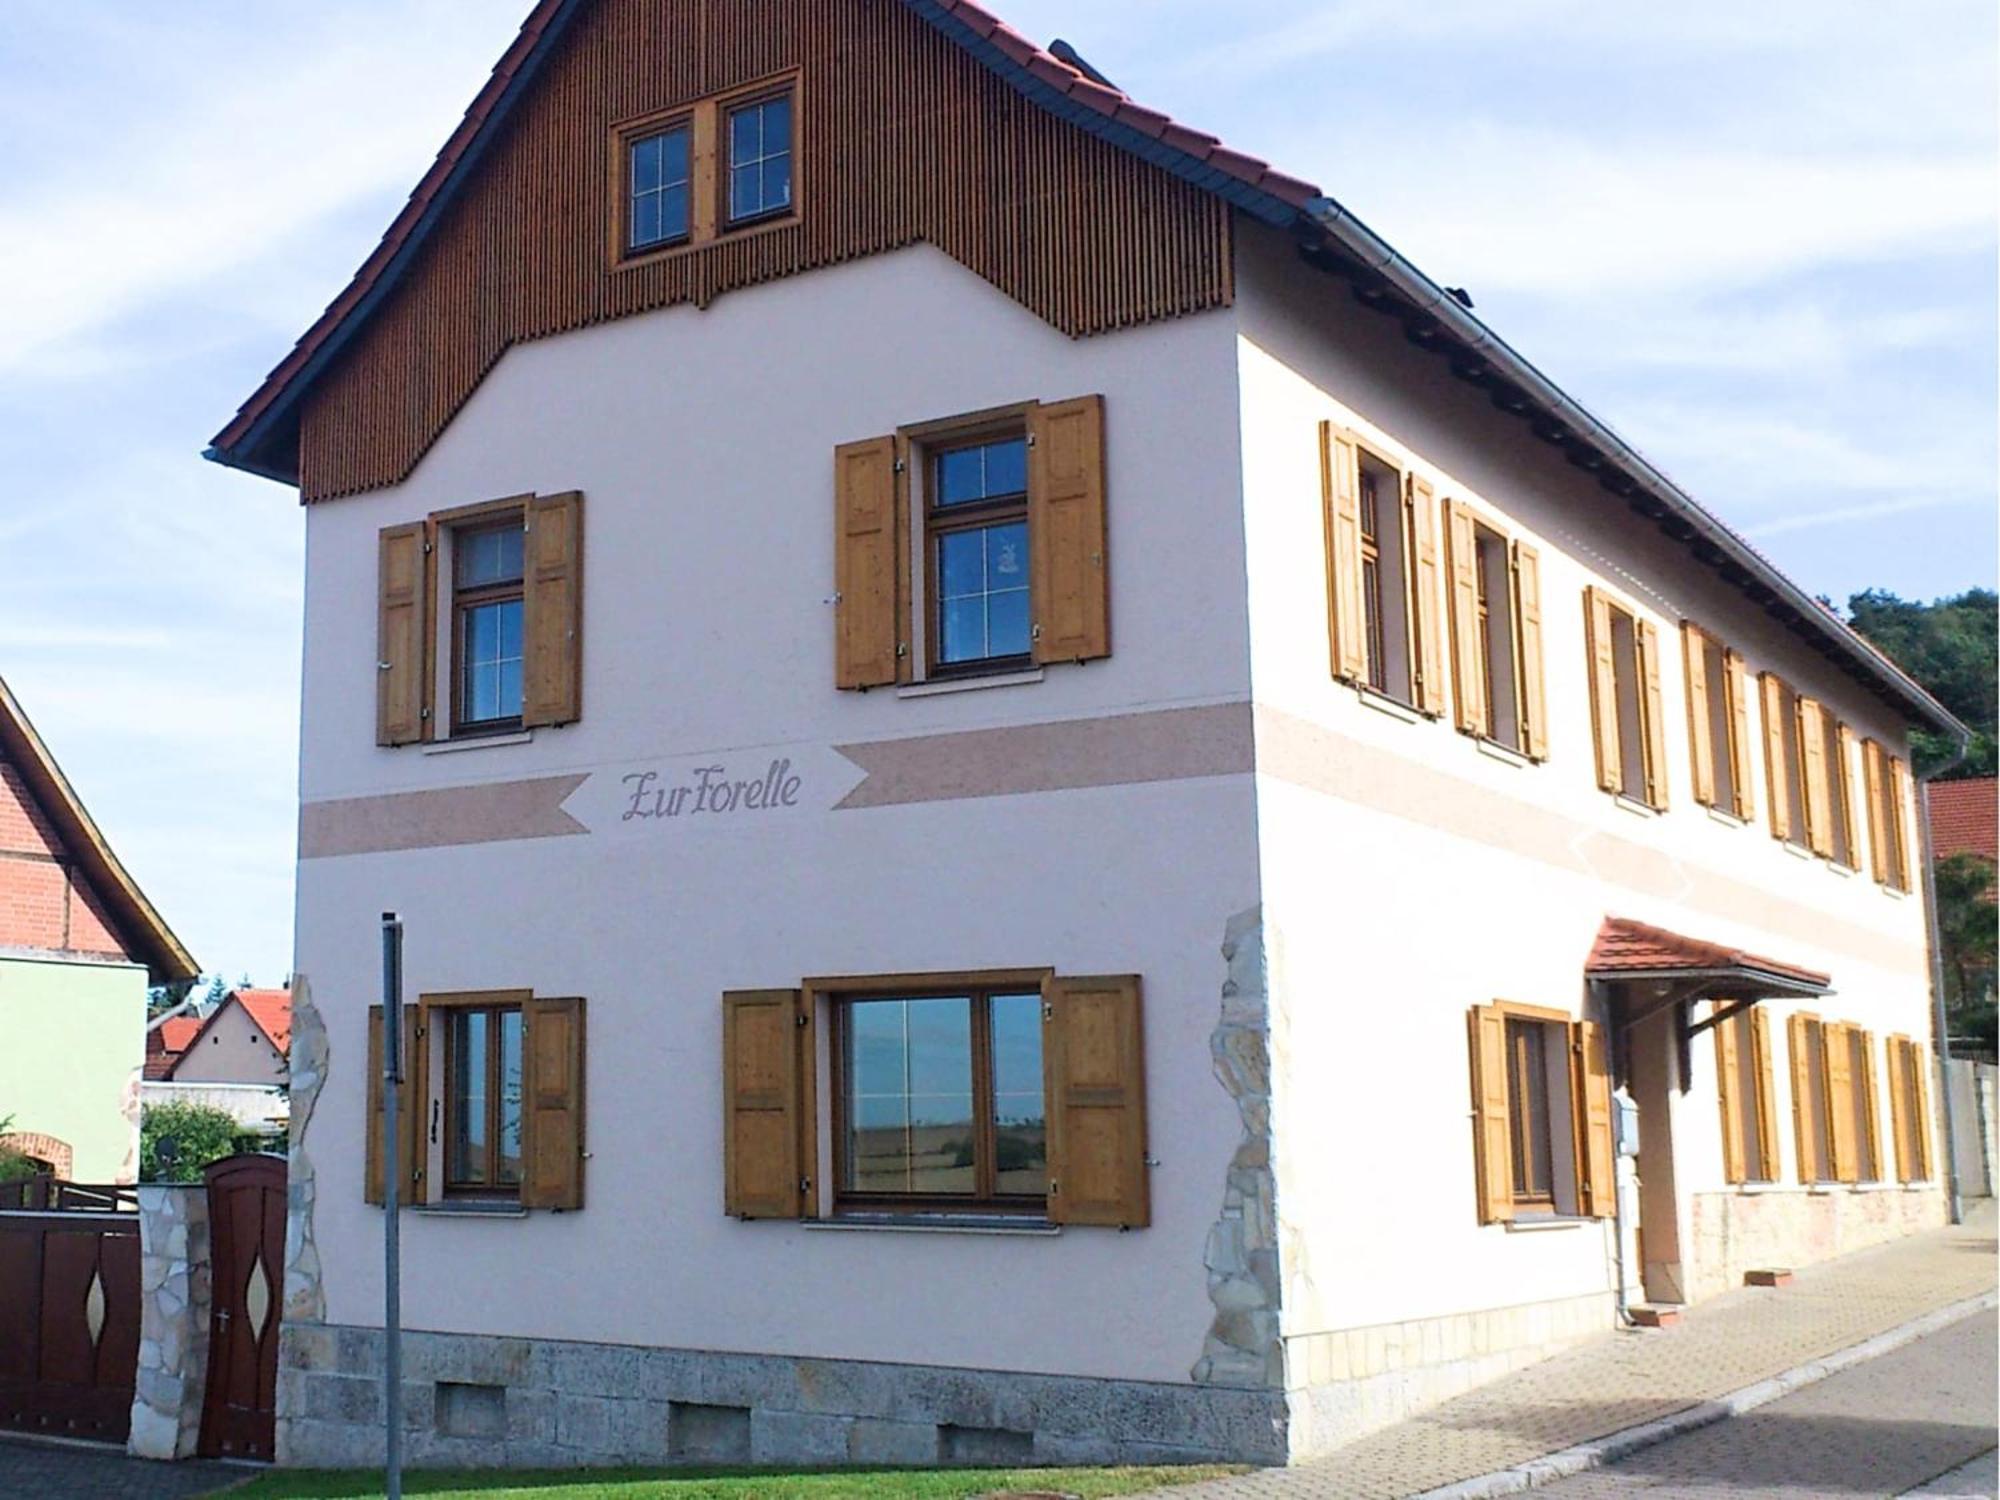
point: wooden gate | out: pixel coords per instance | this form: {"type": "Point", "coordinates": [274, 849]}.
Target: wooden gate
{"type": "Point", "coordinates": [246, 1226]}
{"type": "Point", "coordinates": [69, 1316]}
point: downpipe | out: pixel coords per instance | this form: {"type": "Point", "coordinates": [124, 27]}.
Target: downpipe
{"type": "Point", "coordinates": [1955, 1205]}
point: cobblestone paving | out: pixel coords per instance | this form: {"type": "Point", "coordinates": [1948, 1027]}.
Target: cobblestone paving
{"type": "Point", "coordinates": [1880, 1428]}
{"type": "Point", "coordinates": [61, 1471]}
{"type": "Point", "coordinates": [1624, 1379]}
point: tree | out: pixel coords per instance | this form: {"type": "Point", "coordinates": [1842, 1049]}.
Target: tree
{"type": "Point", "coordinates": [1948, 646]}
{"type": "Point", "coordinates": [201, 1134]}
{"type": "Point", "coordinates": [162, 998]}
{"type": "Point", "coordinates": [1966, 940]}
{"type": "Point", "coordinates": [13, 1165]}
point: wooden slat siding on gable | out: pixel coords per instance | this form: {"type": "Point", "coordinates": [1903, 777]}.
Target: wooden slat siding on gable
{"type": "Point", "coordinates": [552, 1115]}
{"type": "Point", "coordinates": [1695, 647]}
{"type": "Point", "coordinates": [767, 1152]}
{"type": "Point", "coordinates": [1653, 706]}
{"type": "Point", "coordinates": [1427, 582]}
{"type": "Point", "coordinates": [1340, 500]}
{"type": "Point", "coordinates": [902, 138]}
{"type": "Point", "coordinates": [552, 611]}
{"type": "Point", "coordinates": [1492, 1147]}
{"type": "Point", "coordinates": [1094, 1066]}
{"type": "Point", "coordinates": [1767, 1096]}
{"type": "Point", "coordinates": [870, 610]}
{"type": "Point", "coordinates": [1527, 564]}
{"type": "Point", "coordinates": [1070, 562]}
{"type": "Point", "coordinates": [1468, 667]}
{"type": "Point", "coordinates": [1736, 676]}
{"type": "Point", "coordinates": [402, 634]}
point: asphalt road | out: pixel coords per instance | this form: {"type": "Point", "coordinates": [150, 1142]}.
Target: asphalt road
{"type": "Point", "coordinates": [1920, 1420]}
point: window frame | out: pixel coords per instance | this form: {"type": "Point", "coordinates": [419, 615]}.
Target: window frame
{"type": "Point", "coordinates": [483, 521]}
{"type": "Point", "coordinates": [1374, 601]}
{"type": "Point", "coordinates": [707, 118]}
{"type": "Point", "coordinates": [1789, 779]}
{"type": "Point", "coordinates": [935, 521]}
{"type": "Point", "coordinates": [439, 1010]}
{"type": "Point", "coordinates": [1727, 694]}
{"type": "Point", "coordinates": [832, 997]}
{"type": "Point", "coordinates": [1559, 1031]}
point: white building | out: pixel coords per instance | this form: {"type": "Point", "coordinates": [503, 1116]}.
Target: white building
{"type": "Point", "coordinates": [1122, 789]}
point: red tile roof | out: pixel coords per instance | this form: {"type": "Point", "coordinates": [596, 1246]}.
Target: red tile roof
{"type": "Point", "coordinates": [1965, 817]}
{"type": "Point", "coordinates": [272, 1010]}
{"type": "Point", "coordinates": [167, 1041]}
{"type": "Point", "coordinates": [1625, 947]}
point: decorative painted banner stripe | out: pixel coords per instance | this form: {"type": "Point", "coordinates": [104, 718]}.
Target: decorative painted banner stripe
{"type": "Point", "coordinates": [482, 814]}
{"type": "Point", "coordinates": [1169, 744]}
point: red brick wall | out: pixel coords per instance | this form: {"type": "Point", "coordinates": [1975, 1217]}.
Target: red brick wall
{"type": "Point", "coordinates": [44, 903]}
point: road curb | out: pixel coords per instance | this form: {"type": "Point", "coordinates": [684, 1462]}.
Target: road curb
{"type": "Point", "coordinates": [1609, 1449]}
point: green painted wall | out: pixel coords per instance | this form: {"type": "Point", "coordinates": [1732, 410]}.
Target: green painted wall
{"type": "Point", "coordinates": [72, 1042]}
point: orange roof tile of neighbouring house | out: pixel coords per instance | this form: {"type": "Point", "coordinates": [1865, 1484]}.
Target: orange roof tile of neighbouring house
{"type": "Point", "coordinates": [166, 1041]}
{"type": "Point", "coordinates": [272, 1011]}
{"type": "Point", "coordinates": [1965, 817]}
{"type": "Point", "coordinates": [1626, 949]}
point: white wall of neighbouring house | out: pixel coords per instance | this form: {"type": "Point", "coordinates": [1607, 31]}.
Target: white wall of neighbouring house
{"type": "Point", "coordinates": [703, 443]}
{"type": "Point", "coordinates": [232, 1048]}
{"type": "Point", "coordinates": [1410, 873]}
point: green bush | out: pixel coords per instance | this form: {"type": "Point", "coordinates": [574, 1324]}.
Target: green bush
{"type": "Point", "coordinates": [202, 1134]}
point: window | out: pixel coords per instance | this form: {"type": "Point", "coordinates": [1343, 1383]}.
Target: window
{"type": "Point", "coordinates": [1867, 1132]}
{"type": "Point", "coordinates": [972, 545]}
{"type": "Point", "coordinates": [1887, 781]}
{"type": "Point", "coordinates": [1909, 1109]}
{"type": "Point", "coordinates": [1542, 1108]}
{"type": "Point", "coordinates": [976, 517]}
{"type": "Point", "coordinates": [1837, 842]}
{"type": "Point", "coordinates": [487, 603]}
{"type": "Point", "coordinates": [1784, 761]}
{"type": "Point", "coordinates": [1811, 1099]}
{"type": "Point", "coordinates": [482, 1100]}
{"type": "Point", "coordinates": [1496, 633]}
{"type": "Point", "coordinates": [482, 608]}
{"type": "Point", "coordinates": [1625, 701]}
{"type": "Point", "coordinates": [760, 158]}
{"type": "Point", "coordinates": [941, 1099]}
{"type": "Point", "coordinates": [1386, 622]}
{"type": "Point", "coordinates": [1718, 722]}
{"type": "Point", "coordinates": [660, 182]}
{"type": "Point", "coordinates": [1382, 574]}
{"type": "Point", "coordinates": [1744, 1089]}
{"type": "Point", "coordinates": [703, 169]}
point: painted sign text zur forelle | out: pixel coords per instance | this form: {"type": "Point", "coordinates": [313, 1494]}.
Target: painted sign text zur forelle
{"type": "Point", "coordinates": [709, 789]}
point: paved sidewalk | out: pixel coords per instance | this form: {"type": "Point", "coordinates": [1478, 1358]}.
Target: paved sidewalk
{"type": "Point", "coordinates": [79, 1471]}
{"type": "Point", "coordinates": [1624, 1379]}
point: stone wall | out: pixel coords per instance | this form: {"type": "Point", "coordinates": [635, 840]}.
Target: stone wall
{"type": "Point", "coordinates": [479, 1401]}
{"type": "Point", "coordinates": [173, 1322]}
{"type": "Point", "coordinates": [1781, 1228]}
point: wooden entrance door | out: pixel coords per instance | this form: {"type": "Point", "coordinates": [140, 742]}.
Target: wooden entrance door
{"type": "Point", "coordinates": [69, 1321]}
{"type": "Point", "coordinates": [246, 1226]}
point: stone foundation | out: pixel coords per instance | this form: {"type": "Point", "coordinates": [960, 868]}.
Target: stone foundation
{"type": "Point", "coordinates": [173, 1320]}
{"type": "Point", "coordinates": [1734, 1232]}
{"type": "Point", "coordinates": [476, 1400]}
{"type": "Point", "coordinates": [1349, 1383]}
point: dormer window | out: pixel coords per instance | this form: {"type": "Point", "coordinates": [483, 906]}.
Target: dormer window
{"type": "Point", "coordinates": [760, 158]}
{"type": "Point", "coordinates": [660, 181]}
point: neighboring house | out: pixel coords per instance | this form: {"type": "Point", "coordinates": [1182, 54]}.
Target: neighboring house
{"type": "Point", "coordinates": [79, 945]}
{"type": "Point", "coordinates": [1126, 794]}
{"type": "Point", "coordinates": [233, 1059]}
{"type": "Point", "coordinates": [1965, 818]}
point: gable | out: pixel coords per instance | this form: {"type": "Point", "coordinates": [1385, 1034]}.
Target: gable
{"type": "Point", "coordinates": [904, 137]}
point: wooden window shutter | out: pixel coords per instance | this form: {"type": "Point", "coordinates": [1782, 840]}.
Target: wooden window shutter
{"type": "Point", "coordinates": [552, 1143]}
{"type": "Point", "coordinates": [1818, 799]}
{"type": "Point", "coordinates": [1468, 668]}
{"type": "Point", "coordinates": [1871, 1105]}
{"type": "Point", "coordinates": [1878, 828]}
{"type": "Point", "coordinates": [1777, 771]}
{"type": "Point", "coordinates": [412, 1108]}
{"type": "Point", "coordinates": [1597, 1152]}
{"type": "Point", "coordinates": [1798, 1033]}
{"type": "Point", "coordinates": [1729, 1096]}
{"type": "Point", "coordinates": [1094, 1067]}
{"type": "Point", "coordinates": [1843, 779]}
{"type": "Point", "coordinates": [1421, 528]}
{"type": "Point", "coordinates": [1920, 1110]}
{"type": "Point", "coordinates": [1900, 802]}
{"type": "Point", "coordinates": [768, 1137]}
{"type": "Point", "coordinates": [1736, 676]}
{"type": "Point", "coordinates": [1767, 1096]}
{"type": "Point", "coordinates": [1528, 642]}
{"type": "Point", "coordinates": [402, 634]}
{"type": "Point", "coordinates": [1838, 1099]}
{"type": "Point", "coordinates": [1899, 1103]}
{"type": "Point", "coordinates": [1340, 498]}
{"type": "Point", "coordinates": [1603, 689]}
{"type": "Point", "coordinates": [1068, 553]}
{"type": "Point", "coordinates": [1695, 647]}
{"type": "Point", "coordinates": [870, 614]}
{"type": "Point", "coordinates": [1492, 1133]}
{"type": "Point", "coordinates": [552, 611]}
{"type": "Point", "coordinates": [1653, 705]}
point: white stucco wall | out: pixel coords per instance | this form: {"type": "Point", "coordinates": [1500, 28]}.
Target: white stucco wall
{"type": "Point", "coordinates": [1423, 876]}
{"type": "Point", "coordinates": [233, 1049]}
{"type": "Point", "coordinates": [703, 443]}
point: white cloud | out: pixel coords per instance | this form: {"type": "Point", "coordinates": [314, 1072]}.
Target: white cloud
{"type": "Point", "coordinates": [1841, 515]}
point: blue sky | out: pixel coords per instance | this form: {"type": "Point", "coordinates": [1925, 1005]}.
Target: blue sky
{"type": "Point", "coordinates": [1758, 238]}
